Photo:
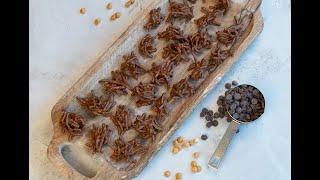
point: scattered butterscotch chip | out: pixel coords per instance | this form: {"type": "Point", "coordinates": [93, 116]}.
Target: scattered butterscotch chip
{"type": "Point", "coordinates": [194, 169]}
{"type": "Point", "coordinates": [166, 173]}
{"type": "Point", "coordinates": [191, 142]}
{"type": "Point", "coordinates": [178, 175]}
{"type": "Point", "coordinates": [113, 17]}
{"type": "Point", "coordinates": [180, 139]}
{"type": "Point", "coordinates": [178, 179]}
{"type": "Point", "coordinates": [196, 155]}
{"type": "Point", "coordinates": [175, 150]}
{"type": "Point", "coordinates": [109, 6]}
{"type": "Point", "coordinates": [195, 140]}
{"type": "Point", "coordinates": [175, 143]}
{"type": "Point", "coordinates": [185, 144]}
{"type": "Point", "coordinates": [96, 22]}
{"type": "Point", "coordinates": [132, 1]}
{"type": "Point", "coordinates": [179, 147]}
{"type": "Point", "coordinates": [117, 15]}
{"type": "Point", "coordinates": [83, 10]}
{"type": "Point", "coordinates": [128, 3]}
{"type": "Point", "coordinates": [193, 163]}
{"type": "Point", "coordinates": [198, 168]}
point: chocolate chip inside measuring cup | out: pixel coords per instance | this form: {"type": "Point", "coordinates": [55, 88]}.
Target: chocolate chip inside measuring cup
{"type": "Point", "coordinates": [254, 101]}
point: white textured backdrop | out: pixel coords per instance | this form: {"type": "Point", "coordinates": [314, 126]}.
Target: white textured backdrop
{"type": "Point", "coordinates": [64, 44]}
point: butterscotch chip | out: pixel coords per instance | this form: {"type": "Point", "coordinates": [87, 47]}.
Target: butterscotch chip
{"type": "Point", "coordinates": [109, 6]}
{"type": "Point", "coordinates": [193, 163]}
{"type": "Point", "coordinates": [198, 168]}
{"type": "Point", "coordinates": [83, 10]}
{"type": "Point", "coordinates": [194, 169]}
{"type": "Point", "coordinates": [178, 175]}
{"type": "Point", "coordinates": [175, 150]}
{"type": "Point", "coordinates": [166, 173]}
{"type": "Point", "coordinates": [185, 144]}
{"type": "Point", "coordinates": [175, 143]}
{"type": "Point", "coordinates": [180, 139]}
{"type": "Point", "coordinates": [128, 3]}
{"type": "Point", "coordinates": [179, 147]}
{"type": "Point", "coordinates": [195, 140]}
{"type": "Point", "coordinates": [117, 15]}
{"type": "Point", "coordinates": [196, 155]}
{"type": "Point", "coordinates": [113, 17]}
{"type": "Point", "coordinates": [96, 22]}
{"type": "Point", "coordinates": [191, 142]}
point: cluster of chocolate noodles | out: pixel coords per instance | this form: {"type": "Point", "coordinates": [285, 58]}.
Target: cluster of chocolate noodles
{"type": "Point", "coordinates": [180, 11]}
{"type": "Point", "coordinates": [160, 107]}
{"type": "Point", "coordinates": [122, 119]}
{"type": "Point", "coordinates": [155, 19]}
{"type": "Point", "coordinates": [162, 73]}
{"type": "Point", "coordinates": [123, 150]}
{"type": "Point", "coordinates": [99, 137]}
{"type": "Point", "coordinates": [72, 124]}
{"type": "Point", "coordinates": [118, 83]}
{"type": "Point", "coordinates": [95, 104]}
{"type": "Point", "coordinates": [131, 66]}
{"type": "Point", "coordinates": [229, 35]}
{"type": "Point", "coordinates": [181, 89]}
{"type": "Point", "coordinates": [148, 126]}
{"type": "Point", "coordinates": [146, 47]}
{"type": "Point", "coordinates": [211, 14]}
{"type": "Point", "coordinates": [145, 92]}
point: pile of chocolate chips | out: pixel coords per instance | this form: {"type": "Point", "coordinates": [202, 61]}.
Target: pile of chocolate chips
{"type": "Point", "coordinates": [211, 116]}
{"type": "Point", "coordinates": [245, 103]}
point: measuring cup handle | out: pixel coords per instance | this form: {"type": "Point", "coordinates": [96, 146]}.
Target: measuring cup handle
{"type": "Point", "coordinates": [223, 145]}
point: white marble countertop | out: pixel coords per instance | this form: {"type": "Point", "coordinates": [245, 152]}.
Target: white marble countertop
{"type": "Point", "coordinates": [60, 38]}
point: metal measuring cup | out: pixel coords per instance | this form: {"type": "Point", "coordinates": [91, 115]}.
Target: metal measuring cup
{"type": "Point", "coordinates": [218, 155]}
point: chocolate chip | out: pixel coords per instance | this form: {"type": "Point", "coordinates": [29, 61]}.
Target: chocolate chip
{"type": "Point", "coordinates": [204, 137]}
{"type": "Point", "coordinates": [237, 96]}
{"type": "Point", "coordinates": [221, 98]}
{"type": "Point", "coordinates": [221, 115]}
{"type": "Point", "coordinates": [210, 112]}
{"type": "Point", "coordinates": [235, 83]}
{"type": "Point", "coordinates": [202, 114]}
{"type": "Point", "coordinates": [221, 110]}
{"type": "Point", "coordinates": [209, 124]}
{"type": "Point", "coordinates": [205, 110]}
{"type": "Point", "coordinates": [229, 96]}
{"type": "Point", "coordinates": [229, 101]}
{"type": "Point", "coordinates": [228, 85]}
{"type": "Point", "coordinates": [216, 115]}
{"type": "Point", "coordinates": [239, 110]}
{"type": "Point", "coordinates": [255, 92]}
{"type": "Point", "coordinates": [235, 115]}
{"type": "Point", "coordinates": [215, 123]}
{"type": "Point", "coordinates": [254, 101]}
{"type": "Point", "coordinates": [219, 102]}
{"type": "Point", "coordinates": [250, 88]}
{"type": "Point", "coordinates": [229, 118]}
{"type": "Point", "coordinates": [208, 118]}
{"type": "Point", "coordinates": [233, 106]}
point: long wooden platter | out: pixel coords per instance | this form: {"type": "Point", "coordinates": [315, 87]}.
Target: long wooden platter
{"type": "Point", "coordinates": [73, 159]}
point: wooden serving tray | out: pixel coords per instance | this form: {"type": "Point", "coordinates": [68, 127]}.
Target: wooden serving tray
{"type": "Point", "coordinates": [76, 161]}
